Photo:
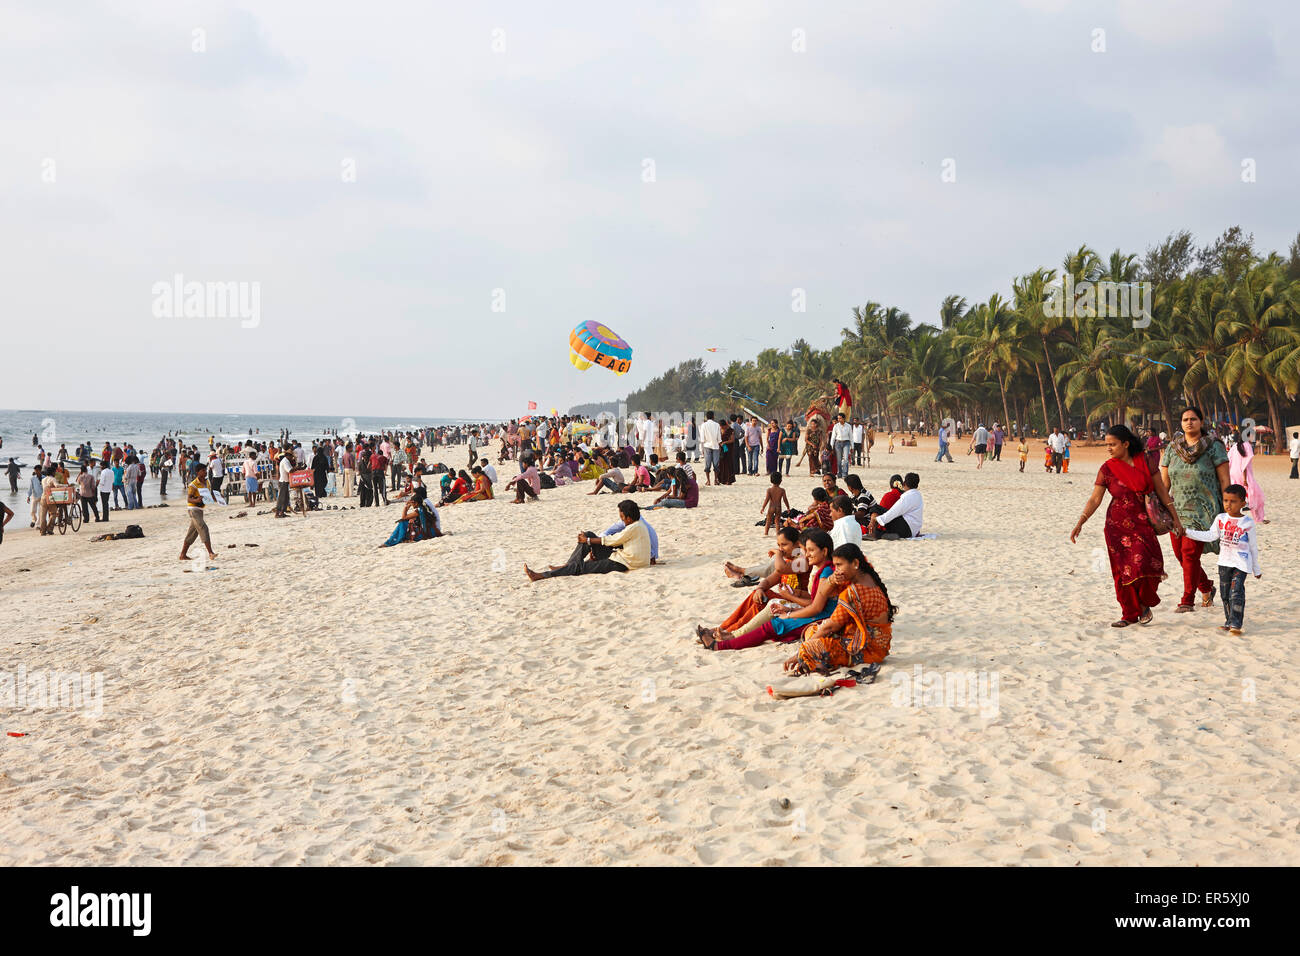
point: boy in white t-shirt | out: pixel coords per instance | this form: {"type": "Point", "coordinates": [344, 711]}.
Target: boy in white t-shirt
{"type": "Point", "coordinates": [1238, 555]}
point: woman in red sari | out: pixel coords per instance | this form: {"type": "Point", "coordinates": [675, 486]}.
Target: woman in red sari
{"type": "Point", "coordinates": [1136, 562]}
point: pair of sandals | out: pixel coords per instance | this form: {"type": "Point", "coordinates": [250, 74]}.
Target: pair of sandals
{"type": "Point", "coordinates": [1145, 618]}
{"type": "Point", "coordinates": [708, 636]}
{"type": "Point", "coordinates": [1207, 600]}
{"type": "Point", "coordinates": [748, 581]}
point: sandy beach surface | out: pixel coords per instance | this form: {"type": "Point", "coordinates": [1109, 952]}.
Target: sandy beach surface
{"type": "Point", "coordinates": [314, 700]}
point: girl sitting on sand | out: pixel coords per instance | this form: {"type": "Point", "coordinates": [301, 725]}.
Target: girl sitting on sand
{"type": "Point", "coordinates": [418, 522]}
{"type": "Point", "coordinates": [789, 575]}
{"type": "Point", "coordinates": [859, 629]}
{"type": "Point", "coordinates": [784, 623]}
{"type": "Point", "coordinates": [458, 489]}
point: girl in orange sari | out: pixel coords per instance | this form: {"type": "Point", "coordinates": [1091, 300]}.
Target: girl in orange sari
{"type": "Point", "coordinates": [860, 628]}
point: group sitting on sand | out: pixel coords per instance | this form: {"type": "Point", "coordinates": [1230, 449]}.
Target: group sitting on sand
{"type": "Point", "coordinates": [840, 612]}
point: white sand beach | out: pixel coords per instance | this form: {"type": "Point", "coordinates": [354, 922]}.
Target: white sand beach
{"type": "Point", "coordinates": [314, 700]}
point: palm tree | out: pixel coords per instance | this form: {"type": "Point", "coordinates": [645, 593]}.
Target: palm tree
{"type": "Point", "coordinates": [930, 377]}
{"type": "Point", "coordinates": [951, 310]}
{"type": "Point", "coordinates": [1030, 294]}
{"type": "Point", "coordinates": [1259, 322]}
{"type": "Point", "coordinates": [989, 349]}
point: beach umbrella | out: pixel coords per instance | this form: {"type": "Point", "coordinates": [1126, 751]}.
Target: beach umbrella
{"type": "Point", "coordinates": [592, 343]}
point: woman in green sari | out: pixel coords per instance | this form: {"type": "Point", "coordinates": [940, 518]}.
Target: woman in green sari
{"type": "Point", "coordinates": [789, 446]}
{"type": "Point", "coordinates": [1195, 470]}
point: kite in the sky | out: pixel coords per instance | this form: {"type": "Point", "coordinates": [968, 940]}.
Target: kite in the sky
{"type": "Point", "coordinates": [591, 343]}
{"type": "Point", "coordinates": [1151, 360]}
{"type": "Point", "coordinates": [743, 395]}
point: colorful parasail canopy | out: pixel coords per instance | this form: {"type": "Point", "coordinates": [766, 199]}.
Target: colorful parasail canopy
{"type": "Point", "coordinates": [592, 343]}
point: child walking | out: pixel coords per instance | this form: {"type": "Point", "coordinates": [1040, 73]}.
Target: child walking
{"type": "Point", "coordinates": [1238, 555]}
{"type": "Point", "coordinates": [1023, 449]}
{"type": "Point", "coordinates": [772, 502]}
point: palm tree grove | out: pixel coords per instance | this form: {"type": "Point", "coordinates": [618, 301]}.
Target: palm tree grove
{"type": "Point", "coordinates": [1223, 333]}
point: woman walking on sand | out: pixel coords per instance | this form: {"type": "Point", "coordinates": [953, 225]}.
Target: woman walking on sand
{"type": "Point", "coordinates": [1194, 469]}
{"type": "Point", "coordinates": [1136, 563]}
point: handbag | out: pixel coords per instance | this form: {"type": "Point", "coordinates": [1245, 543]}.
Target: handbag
{"type": "Point", "coordinates": [1162, 522]}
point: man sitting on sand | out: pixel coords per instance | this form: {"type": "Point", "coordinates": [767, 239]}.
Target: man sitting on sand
{"type": "Point", "coordinates": [903, 519]}
{"type": "Point", "coordinates": [634, 540]}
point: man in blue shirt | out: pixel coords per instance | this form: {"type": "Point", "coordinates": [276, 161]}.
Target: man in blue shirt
{"type": "Point", "coordinates": [617, 526]}
{"type": "Point", "coordinates": [943, 444]}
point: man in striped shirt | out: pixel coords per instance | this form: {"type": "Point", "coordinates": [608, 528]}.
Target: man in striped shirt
{"type": "Point", "coordinates": [194, 502]}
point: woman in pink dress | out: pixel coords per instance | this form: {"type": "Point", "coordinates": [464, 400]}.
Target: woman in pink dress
{"type": "Point", "coordinates": [1241, 470]}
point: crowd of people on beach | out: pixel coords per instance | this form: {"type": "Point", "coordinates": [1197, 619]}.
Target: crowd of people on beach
{"type": "Point", "coordinates": [817, 585]}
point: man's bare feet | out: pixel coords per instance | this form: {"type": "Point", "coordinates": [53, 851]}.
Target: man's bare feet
{"type": "Point", "coordinates": [532, 575]}
{"type": "Point", "coordinates": [184, 556]}
{"type": "Point", "coordinates": [211, 556]}
{"type": "Point", "coordinates": [731, 571]}
{"type": "Point", "coordinates": [709, 641]}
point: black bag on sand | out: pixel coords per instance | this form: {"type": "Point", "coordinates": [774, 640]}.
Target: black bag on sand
{"type": "Point", "coordinates": [132, 531]}
{"type": "Point", "coordinates": [547, 480]}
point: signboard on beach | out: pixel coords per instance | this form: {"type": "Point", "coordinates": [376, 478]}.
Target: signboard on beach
{"type": "Point", "coordinates": [301, 479]}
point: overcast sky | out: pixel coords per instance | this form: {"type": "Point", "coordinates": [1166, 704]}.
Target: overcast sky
{"type": "Point", "coordinates": [504, 146]}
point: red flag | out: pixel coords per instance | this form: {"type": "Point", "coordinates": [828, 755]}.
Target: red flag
{"type": "Point", "coordinates": [532, 406]}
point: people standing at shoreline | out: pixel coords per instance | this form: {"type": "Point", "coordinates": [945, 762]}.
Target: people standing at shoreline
{"type": "Point", "coordinates": [34, 495]}
{"type": "Point", "coordinates": [86, 489]}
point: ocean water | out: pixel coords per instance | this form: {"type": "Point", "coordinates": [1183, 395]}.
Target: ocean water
{"type": "Point", "coordinates": [144, 429]}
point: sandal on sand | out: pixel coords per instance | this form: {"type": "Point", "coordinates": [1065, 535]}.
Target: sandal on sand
{"type": "Point", "coordinates": [1122, 622]}
{"type": "Point", "coordinates": [1235, 631]}
{"type": "Point", "coordinates": [1146, 617]}
{"type": "Point", "coordinates": [1207, 599]}
{"type": "Point", "coordinates": [1224, 627]}
{"type": "Point", "coordinates": [1184, 608]}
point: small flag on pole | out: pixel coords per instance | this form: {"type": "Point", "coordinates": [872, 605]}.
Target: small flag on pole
{"type": "Point", "coordinates": [532, 406]}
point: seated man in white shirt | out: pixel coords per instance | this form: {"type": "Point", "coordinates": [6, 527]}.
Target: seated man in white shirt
{"type": "Point", "coordinates": [634, 539]}
{"type": "Point", "coordinates": [904, 519]}
{"type": "Point", "coordinates": [846, 529]}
